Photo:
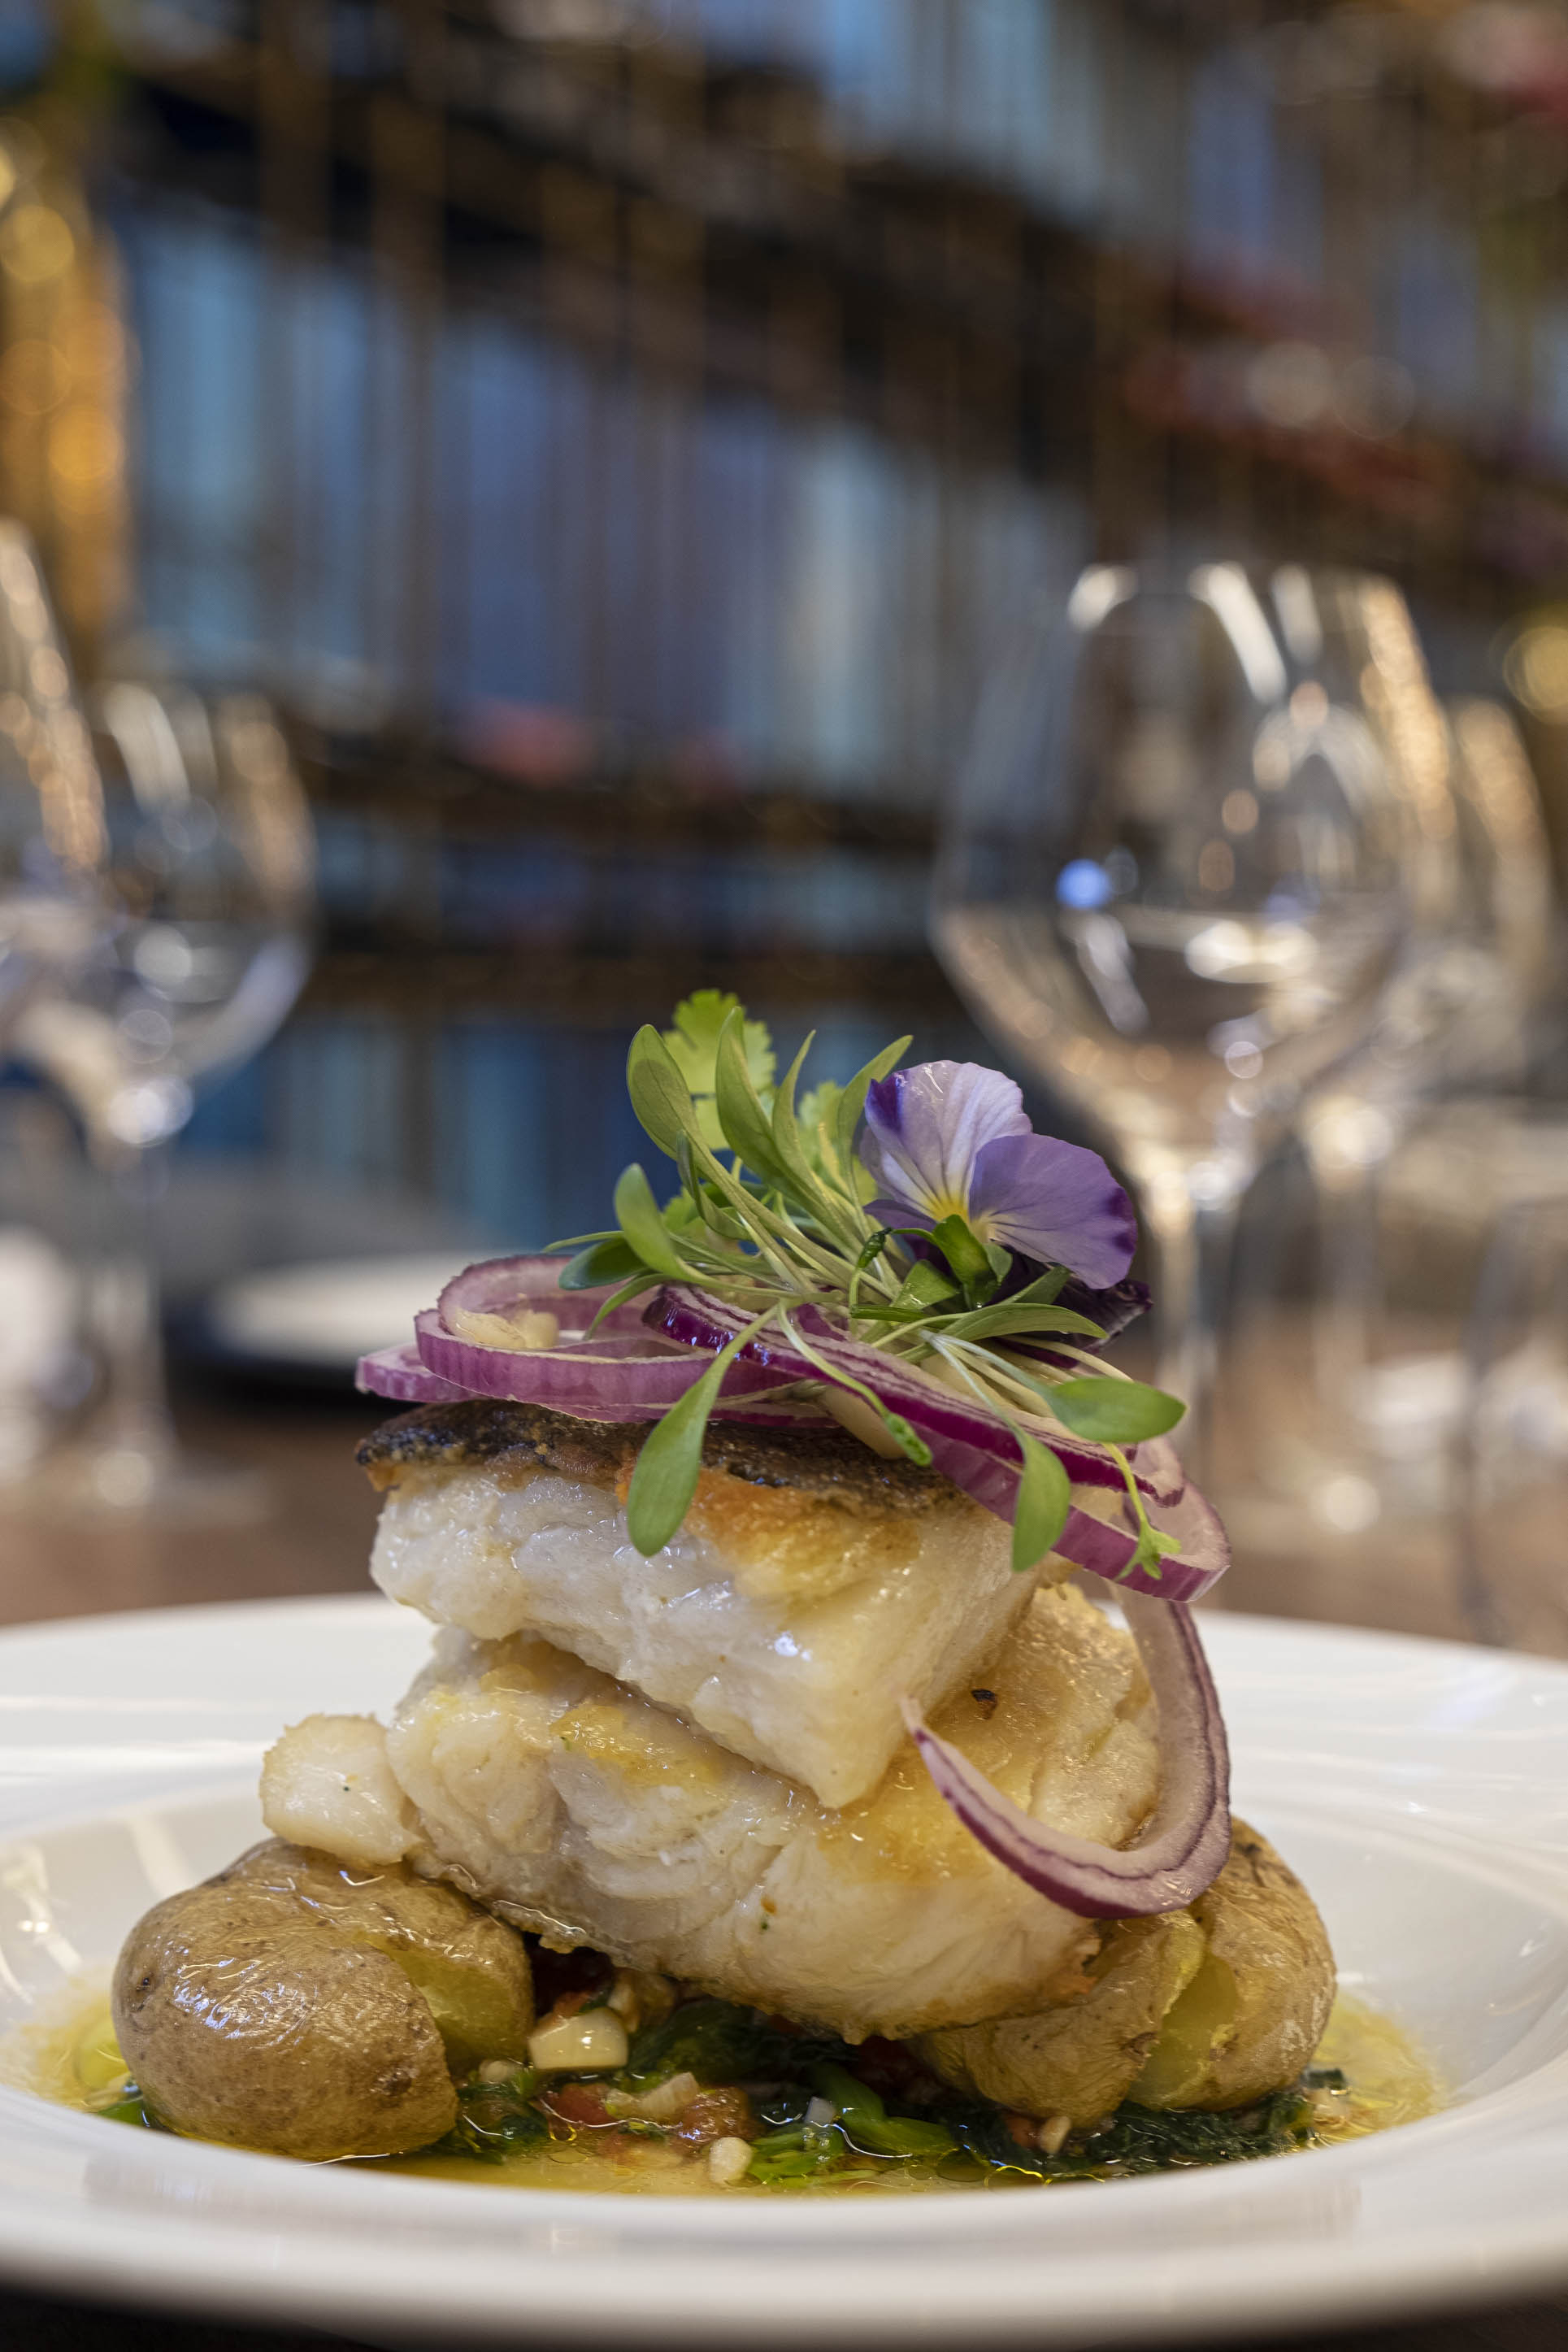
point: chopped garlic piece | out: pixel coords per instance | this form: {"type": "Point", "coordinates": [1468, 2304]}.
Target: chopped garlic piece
{"type": "Point", "coordinates": [529, 1327]}
{"type": "Point", "coordinates": [592, 2040]}
{"type": "Point", "coordinates": [665, 2105]}
{"type": "Point", "coordinates": [639, 1998]}
{"type": "Point", "coordinates": [728, 2161]}
{"type": "Point", "coordinates": [1051, 2137]}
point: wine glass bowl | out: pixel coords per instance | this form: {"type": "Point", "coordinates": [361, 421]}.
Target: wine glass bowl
{"type": "Point", "coordinates": [52, 835]}
{"type": "Point", "coordinates": [1173, 879]}
{"type": "Point", "coordinates": [209, 875]}
{"type": "Point", "coordinates": [1482, 964]}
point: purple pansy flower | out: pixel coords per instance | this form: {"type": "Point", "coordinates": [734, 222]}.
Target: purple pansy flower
{"type": "Point", "coordinates": [949, 1138]}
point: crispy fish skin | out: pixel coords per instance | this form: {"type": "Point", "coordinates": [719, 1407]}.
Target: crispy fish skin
{"type": "Point", "coordinates": [824, 1463]}
{"type": "Point", "coordinates": [811, 1582]}
{"type": "Point", "coordinates": [570, 1804]}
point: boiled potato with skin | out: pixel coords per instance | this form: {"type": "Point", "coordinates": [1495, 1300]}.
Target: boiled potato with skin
{"type": "Point", "coordinates": [1254, 2013]}
{"type": "Point", "coordinates": [307, 2010]}
{"type": "Point", "coordinates": [472, 1969]}
{"type": "Point", "coordinates": [1080, 2057]}
{"type": "Point", "coordinates": [1212, 2007]}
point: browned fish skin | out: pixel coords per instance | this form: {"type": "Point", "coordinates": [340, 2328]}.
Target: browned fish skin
{"type": "Point", "coordinates": [822, 1465]}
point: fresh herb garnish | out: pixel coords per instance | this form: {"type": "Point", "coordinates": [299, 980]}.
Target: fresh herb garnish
{"type": "Point", "coordinates": [941, 1236]}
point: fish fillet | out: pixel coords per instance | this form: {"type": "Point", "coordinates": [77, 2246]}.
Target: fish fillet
{"type": "Point", "coordinates": [572, 1805]}
{"type": "Point", "coordinates": [812, 1584]}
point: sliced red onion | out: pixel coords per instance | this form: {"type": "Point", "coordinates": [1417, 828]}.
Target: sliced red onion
{"type": "Point", "coordinates": [974, 1447]}
{"type": "Point", "coordinates": [627, 1371]}
{"type": "Point", "coordinates": [1184, 1846]}
{"type": "Point", "coordinates": [402, 1372]}
{"type": "Point", "coordinates": [698, 1320]}
{"type": "Point", "coordinates": [614, 1375]}
{"type": "Point", "coordinates": [622, 1371]}
{"type": "Point", "coordinates": [500, 1286]}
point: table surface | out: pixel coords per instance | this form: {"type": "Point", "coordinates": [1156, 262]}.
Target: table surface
{"type": "Point", "coordinates": [316, 1539]}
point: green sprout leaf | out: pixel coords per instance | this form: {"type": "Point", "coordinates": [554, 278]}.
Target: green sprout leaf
{"type": "Point", "coordinates": [671, 1461]}
{"type": "Point", "coordinates": [747, 1128]}
{"type": "Point", "coordinates": [1152, 1546]}
{"type": "Point", "coordinates": [818, 1116]}
{"type": "Point", "coordinates": [803, 1184]}
{"type": "Point", "coordinates": [660, 1095]}
{"type": "Point", "coordinates": [1114, 1413]}
{"type": "Point", "coordinates": [1045, 1288]}
{"type": "Point", "coordinates": [925, 1288]}
{"type": "Point", "coordinates": [1013, 1315]}
{"type": "Point", "coordinates": [611, 1260]}
{"type": "Point", "coordinates": [641, 1222]}
{"type": "Point", "coordinates": [852, 1103]}
{"type": "Point", "coordinates": [1044, 1500]}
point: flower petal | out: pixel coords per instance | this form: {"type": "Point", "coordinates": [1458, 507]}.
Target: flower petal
{"type": "Point", "coordinates": [1055, 1203]}
{"type": "Point", "coordinates": [925, 1126]}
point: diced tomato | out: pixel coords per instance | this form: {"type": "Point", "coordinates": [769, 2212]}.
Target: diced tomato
{"type": "Point", "coordinates": [582, 2103]}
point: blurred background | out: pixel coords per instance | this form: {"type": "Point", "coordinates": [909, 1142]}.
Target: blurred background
{"type": "Point", "coordinates": [599, 448]}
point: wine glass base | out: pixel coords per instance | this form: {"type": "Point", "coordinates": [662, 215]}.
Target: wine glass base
{"type": "Point", "coordinates": [125, 1484]}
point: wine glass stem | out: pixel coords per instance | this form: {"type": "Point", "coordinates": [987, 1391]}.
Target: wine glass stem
{"type": "Point", "coordinates": [1350, 1289]}
{"type": "Point", "coordinates": [1191, 1222]}
{"type": "Point", "coordinates": [133, 1418]}
{"type": "Point", "coordinates": [1348, 1145]}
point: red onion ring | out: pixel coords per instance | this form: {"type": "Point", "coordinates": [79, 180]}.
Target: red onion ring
{"type": "Point", "coordinates": [974, 1447]}
{"type": "Point", "coordinates": [402, 1374]}
{"type": "Point", "coordinates": [623, 1371]}
{"type": "Point", "coordinates": [635, 1367]}
{"type": "Point", "coordinates": [1188, 1838]}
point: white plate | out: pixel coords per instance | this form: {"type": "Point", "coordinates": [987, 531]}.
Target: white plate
{"type": "Point", "coordinates": [1422, 1791]}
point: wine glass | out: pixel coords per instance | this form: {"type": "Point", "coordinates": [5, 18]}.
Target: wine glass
{"type": "Point", "coordinates": [210, 872]}
{"type": "Point", "coordinates": [1512, 1450]}
{"type": "Point", "coordinates": [52, 841]}
{"type": "Point", "coordinates": [1175, 874]}
{"type": "Point", "coordinates": [1458, 1012]}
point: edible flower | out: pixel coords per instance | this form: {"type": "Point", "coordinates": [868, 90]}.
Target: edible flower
{"type": "Point", "coordinates": [952, 1139]}
{"type": "Point", "coordinates": [932, 1322]}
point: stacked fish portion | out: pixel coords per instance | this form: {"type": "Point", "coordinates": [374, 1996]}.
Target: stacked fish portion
{"type": "Point", "coordinates": [697, 1762]}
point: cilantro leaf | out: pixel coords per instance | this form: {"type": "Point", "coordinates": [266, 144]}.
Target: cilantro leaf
{"type": "Point", "coordinates": [693, 1040]}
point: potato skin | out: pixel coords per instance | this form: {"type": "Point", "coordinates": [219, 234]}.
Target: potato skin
{"type": "Point", "coordinates": [472, 1969]}
{"type": "Point", "coordinates": [1254, 2014]}
{"type": "Point", "coordinates": [1210, 2007]}
{"type": "Point", "coordinates": [280, 2006]}
{"type": "Point", "coordinates": [1078, 2058]}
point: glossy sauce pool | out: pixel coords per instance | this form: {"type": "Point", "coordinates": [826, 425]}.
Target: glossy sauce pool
{"type": "Point", "coordinates": [71, 2058]}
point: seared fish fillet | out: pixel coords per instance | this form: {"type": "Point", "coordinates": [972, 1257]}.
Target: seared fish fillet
{"type": "Point", "coordinates": [811, 1582]}
{"type": "Point", "coordinates": [571, 1805]}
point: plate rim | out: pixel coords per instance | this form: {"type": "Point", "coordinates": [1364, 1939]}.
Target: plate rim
{"type": "Point", "coordinates": [124, 2257]}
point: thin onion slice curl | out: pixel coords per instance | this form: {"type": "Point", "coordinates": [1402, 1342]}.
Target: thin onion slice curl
{"type": "Point", "coordinates": [1188, 1838]}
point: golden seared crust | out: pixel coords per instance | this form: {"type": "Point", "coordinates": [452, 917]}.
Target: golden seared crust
{"type": "Point", "coordinates": [824, 1466]}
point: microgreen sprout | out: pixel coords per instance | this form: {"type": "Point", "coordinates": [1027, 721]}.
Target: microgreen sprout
{"type": "Point", "coordinates": [942, 1233]}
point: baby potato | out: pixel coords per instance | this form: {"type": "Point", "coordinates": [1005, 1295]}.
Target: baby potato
{"type": "Point", "coordinates": [1254, 2013]}
{"type": "Point", "coordinates": [1212, 2007]}
{"type": "Point", "coordinates": [1080, 2057]}
{"type": "Point", "coordinates": [294, 2006]}
{"type": "Point", "coordinates": [472, 1969]}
